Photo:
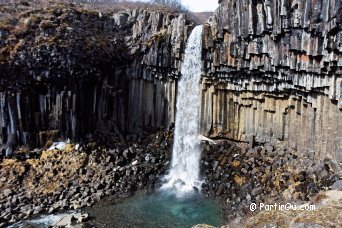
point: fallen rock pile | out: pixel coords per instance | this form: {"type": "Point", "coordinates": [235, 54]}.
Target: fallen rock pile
{"type": "Point", "coordinates": [79, 176]}
{"type": "Point", "coordinates": [242, 174]}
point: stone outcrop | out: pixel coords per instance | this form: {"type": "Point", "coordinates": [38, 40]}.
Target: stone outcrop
{"type": "Point", "coordinates": [272, 72]}
{"type": "Point", "coordinates": [82, 73]}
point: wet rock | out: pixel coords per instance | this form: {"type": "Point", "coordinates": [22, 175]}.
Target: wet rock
{"type": "Point", "coordinates": [81, 217]}
{"type": "Point", "coordinates": [13, 219]}
{"type": "Point", "coordinates": [96, 198]}
{"type": "Point", "coordinates": [65, 221]}
{"type": "Point", "coordinates": [52, 209]}
{"type": "Point", "coordinates": [6, 216]}
{"type": "Point", "coordinates": [220, 190]}
{"type": "Point", "coordinates": [37, 210]}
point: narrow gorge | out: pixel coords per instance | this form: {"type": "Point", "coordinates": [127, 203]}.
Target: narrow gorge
{"type": "Point", "coordinates": [245, 108]}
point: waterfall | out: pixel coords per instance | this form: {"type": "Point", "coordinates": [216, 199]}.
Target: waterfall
{"type": "Point", "coordinates": [184, 172]}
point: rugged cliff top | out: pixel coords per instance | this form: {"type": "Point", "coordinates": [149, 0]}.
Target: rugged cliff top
{"type": "Point", "coordinates": [66, 40]}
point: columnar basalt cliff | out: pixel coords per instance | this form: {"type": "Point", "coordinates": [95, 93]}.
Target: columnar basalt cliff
{"type": "Point", "coordinates": [271, 99]}
{"type": "Point", "coordinates": [273, 74]}
{"type": "Point", "coordinates": [71, 73]}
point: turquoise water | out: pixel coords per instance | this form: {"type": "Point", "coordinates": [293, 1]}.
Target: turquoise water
{"type": "Point", "coordinates": [158, 210]}
{"type": "Point", "coordinates": [155, 210]}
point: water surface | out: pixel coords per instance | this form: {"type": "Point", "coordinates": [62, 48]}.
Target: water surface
{"type": "Point", "coordinates": [161, 209]}
{"type": "Point", "coordinates": [158, 210]}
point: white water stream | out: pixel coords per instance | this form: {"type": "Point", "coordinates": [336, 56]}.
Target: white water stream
{"type": "Point", "coordinates": [184, 172]}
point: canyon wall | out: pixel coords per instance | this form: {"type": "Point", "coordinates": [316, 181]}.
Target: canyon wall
{"type": "Point", "coordinates": [74, 73]}
{"type": "Point", "coordinates": [272, 73]}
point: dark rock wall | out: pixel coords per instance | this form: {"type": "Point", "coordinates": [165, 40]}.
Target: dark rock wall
{"type": "Point", "coordinates": [272, 72]}
{"type": "Point", "coordinates": [90, 74]}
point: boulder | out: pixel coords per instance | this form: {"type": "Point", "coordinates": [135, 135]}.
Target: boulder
{"type": "Point", "coordinates": [81, 217]}
{"type": "Point", "coordinates": [65, 221]}
{"type": "Point", "coordinates": [337, 185]}
{"type": "Point", "coordinates": [7, 192]}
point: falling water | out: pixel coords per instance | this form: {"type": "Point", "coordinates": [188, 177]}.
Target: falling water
{"type": "Point", "coordinates": [184, 172]}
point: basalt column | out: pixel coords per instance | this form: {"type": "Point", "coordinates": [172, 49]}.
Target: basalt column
{"type": "Point", "coordinates": [88, 75]}
{"type": "Point", "coordinates": [273, 74]}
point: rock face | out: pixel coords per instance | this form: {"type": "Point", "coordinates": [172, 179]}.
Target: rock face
{"type": "Point", "coordinates": [82, 73]}
{"type": "Point", "coordinates": [272, 72]}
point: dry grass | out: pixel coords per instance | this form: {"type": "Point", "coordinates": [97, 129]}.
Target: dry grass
{"type": "Point", "coordinates": [69, 160]}
{"type": "Point", "coordinates": [326, 216]}
{"type": "Point", "coordinates": [26, 20]}
{"type": "Point", "coordinates": [12, 6]}
{"type": "Point", "coordinates": [33, 171]}
{"type": "Point", "coordinates": [328, 213]}
{"type": "Point", "coordinates": [279, 218]}
{"type": "Point", "coordinates": [239, 180]}
{"type": "Point", "coordinates": [11, 169]}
